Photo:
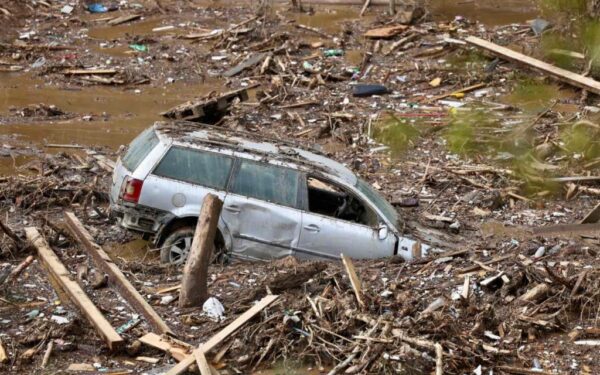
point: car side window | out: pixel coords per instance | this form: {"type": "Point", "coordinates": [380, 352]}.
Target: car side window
{"type": "Point", "coordinates": [266, 182]}
{"type": "Point", "coordinates": [195, 166]}
{"type": "Point", "coordinates": [328, 199]}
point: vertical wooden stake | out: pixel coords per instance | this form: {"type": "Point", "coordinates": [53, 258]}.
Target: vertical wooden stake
{"type": "Point", "coordinates": [194, 289]}
{"type": "Point", "coordinates": [364, 8]}
{"type": "Point", "coordinates": [439, 360]}
{"type": "Point", "coordinates": [47, 353]}
{"type": "Point", "coordinates": [354, 280]}
{"type": "Point", "coordinates": [392, 7]}
{"type": "Point", "coordinates": [3, 355]}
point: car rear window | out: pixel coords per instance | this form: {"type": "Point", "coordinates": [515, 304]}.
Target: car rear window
{"type": "Point", "coordinates": [139, 149]}
{"type": "Point", "coordinates": [195, 166]}
{"type": "Point", "coordinates": [267, 182]}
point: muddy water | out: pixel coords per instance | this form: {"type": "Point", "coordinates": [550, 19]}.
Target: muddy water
{"type": "Point", "coordinates": [129, 112]}
{"type": "Point", "coordinates": [126, 112]}
{"type": "Point", "coordinates": [488, 12]}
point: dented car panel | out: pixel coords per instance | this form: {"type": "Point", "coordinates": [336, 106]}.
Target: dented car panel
{"type": "Point", "coordinates": [261, 230]}
{"type": "Point", "coordinates": [279, 199]}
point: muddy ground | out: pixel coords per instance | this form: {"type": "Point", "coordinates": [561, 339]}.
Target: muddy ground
{"type": "Point", "coordinates": [485, 167]}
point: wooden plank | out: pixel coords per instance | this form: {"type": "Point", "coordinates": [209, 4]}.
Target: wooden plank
{"type": "Point", "coordinates": [459, 91]}
{"type": "Point", "coordinates": [223, 334]}
{"type": "Point", "coordinates": [248, 63]}
{"type": "Point", "coordinates": [575, 179]}
{"type": "Point", "coordinates": [354, 280]}
{"type": "Point", "coordinates": [364, 8]}
{"type": "Point", "coordinates": [3, 355]}
{"type": "Point", "coordinates": [124, 19]}
{"type": "Point", "coordinates": [385, 32]}
{"type": "Point", "coordinates": [567, 229]}
{"type": "Point", "coordinates": [593, 216]}
{"type": "Point", "coordinates": [57, 269]}
{"type": "Point", "coordinates": [523, 371]}
{"type": "Point", "coordinates": [89, 71]}
{"type": "Point", "coordinates": [177, 349]}
{"type": "Point", "coordinates": [564, 75]}
{"type": "Point", "coordinates": [116, 277]}
{"type": "Point", "coordinates": [202, 363]}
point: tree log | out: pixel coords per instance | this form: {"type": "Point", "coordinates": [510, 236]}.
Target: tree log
{"type": "Point", "coordinates": [194, 289]}
{"type": "Point", "coordinates": [295, 277]}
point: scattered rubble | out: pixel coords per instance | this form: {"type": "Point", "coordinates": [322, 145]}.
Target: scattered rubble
{"type": "Point", "coordinates": [486, 159]}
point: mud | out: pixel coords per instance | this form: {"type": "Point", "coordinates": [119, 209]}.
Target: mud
{"type": "Point", "coordinates": [477, 196]}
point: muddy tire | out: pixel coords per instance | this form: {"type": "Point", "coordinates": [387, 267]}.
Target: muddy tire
{"type": "Point", "coordinates": [176, 247]}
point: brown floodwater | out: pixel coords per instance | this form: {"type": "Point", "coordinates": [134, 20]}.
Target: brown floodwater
{"type": "Point", "coordinates": [127, 111]}
{"type": "Point", "coordinates": [488, 12]}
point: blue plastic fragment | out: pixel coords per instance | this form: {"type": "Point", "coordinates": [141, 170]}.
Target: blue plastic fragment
{"type": "Point", "coordinates": [97, 8]}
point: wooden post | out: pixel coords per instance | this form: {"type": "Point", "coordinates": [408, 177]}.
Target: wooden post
{"type": "Point", "coordinates": [57, 270]}
{"type": "Point", "coordinates": [392, 7]}
{"type": "Point", "coordinates": [194, 289]}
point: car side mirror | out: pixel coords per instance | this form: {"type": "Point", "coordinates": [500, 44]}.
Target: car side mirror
{"type": "Point", "coordinates": [383, 231]}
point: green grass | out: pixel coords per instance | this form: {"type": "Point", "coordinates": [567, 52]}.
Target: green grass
{"type": "Point", "coordinates": [396, 133]}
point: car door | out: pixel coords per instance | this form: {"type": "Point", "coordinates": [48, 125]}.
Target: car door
{"type": "Point", "coordinates": [325, 236]}
{"type": "Point", "coordinates": [261, 210]}
{"type": "Point", "coordinates": [183, 178]}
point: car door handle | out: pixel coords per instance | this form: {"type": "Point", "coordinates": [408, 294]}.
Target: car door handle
{"type": "Point", "coordinates": [312, 228]}
{"type": "Point", "coordinates": [233, 208]}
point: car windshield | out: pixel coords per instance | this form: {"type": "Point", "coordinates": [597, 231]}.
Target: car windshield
{"type": "Point", "coordinates": [383, 205]}
{"type": "Point", "coordinates": [139, 149]}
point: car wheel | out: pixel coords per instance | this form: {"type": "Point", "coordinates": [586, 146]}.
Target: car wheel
{"type": "Point", "coordinates": [176, 247]}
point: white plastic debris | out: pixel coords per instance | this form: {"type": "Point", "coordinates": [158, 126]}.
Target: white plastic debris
{"type": "Point", "coordinates": [540, 252]}
{"type": "Point", "coordinates": [213, 308]}
{"type": "Point", "coordinates": [166, 299]}
{"type": "Point", "coordinates": [59, 319]}
{"type": "Point", "coordinates": [67, 9]}
{"type": "Point", "coordinates": [478, 370]}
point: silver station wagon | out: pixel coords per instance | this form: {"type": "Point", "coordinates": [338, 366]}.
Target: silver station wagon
{"type": "Point", "coordinates": [278, 199]}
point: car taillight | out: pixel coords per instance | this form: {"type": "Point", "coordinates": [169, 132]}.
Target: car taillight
{"type": "Point", "coordinates": [132, 190]}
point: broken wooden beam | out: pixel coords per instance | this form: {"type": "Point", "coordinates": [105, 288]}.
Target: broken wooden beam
{"type": "Point", "coordinates": [9, 232]}
{"type": "Point", "coordinates": [564, 75]}
{"type": "Point", "coordinates": [124, 19]}
{"type": "Point", "coordinates": [89, 71]}
{"type": "Point", "coordinates": [3, 355]}
{"type": "Point", "coordinates": [567, 229]}
{"type": "Point", "coordinates": [194, 284]}
{"type": "Point", "coordinates": [354, 279]}
{"type": "Point", "coordinates": [593, 216]}
{"type": "Point", "coordinates": [60, 273]}
{"type": "Point", "coordinates": [385, 32]}
{"type": "Point", "coordinates": [223, 334]}
{"type": "Point", "coordinates": [522, 371]}
{"type": "Point", "coordinates": [202, 363]}
{"type": "Point", "coordinates": [459, 91]}
{"type": "Point", "coordinates": [176, 349]}
{"type": "Point", "coordinates": [207, 110]}
{"type": "Point", "coordinates": [248, 63]}
{"type": "Point", "coordinates": [116, 277]}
